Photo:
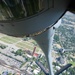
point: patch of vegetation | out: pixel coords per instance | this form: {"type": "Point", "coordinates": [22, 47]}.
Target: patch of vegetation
{"type": "Point", "coordinates": [22, 64]}
{"type": "Point", "coordinates": [18, 52]}
{"type": "Point", "coordinates": [2, 46]}
{"type": "Point", "coordinates": [73, 63]}
{"type": "Point", "coordinates": [9, 39]}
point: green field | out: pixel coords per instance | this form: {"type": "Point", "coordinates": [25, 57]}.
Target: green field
{"type": "Point", "coordinates": [10, 40]}
{"type": "Point", "coordinates": [30, 44]}
{"type": "Point", "coordinates": [27, 45]}
{"type": "Point", "coordinates": [23, 45]}
{"type": "Point", "coordinates": [73, 63]}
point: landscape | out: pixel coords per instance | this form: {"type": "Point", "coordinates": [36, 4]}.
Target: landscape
{"type": "Point", "coordinates": [19, 56]}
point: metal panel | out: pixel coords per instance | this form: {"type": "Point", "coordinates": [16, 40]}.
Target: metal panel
{"type": "Point", "coordinates": [19, 9]}
{"type": "Point", "coordinates": [51, 3]}
{"type": "Point", "coordinates": [35, 24]}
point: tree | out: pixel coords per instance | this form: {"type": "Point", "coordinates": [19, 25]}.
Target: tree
{"type": "Point", "coordinates": [19, 52]}
{"type": "Point", "coordinates": [56, 38]}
